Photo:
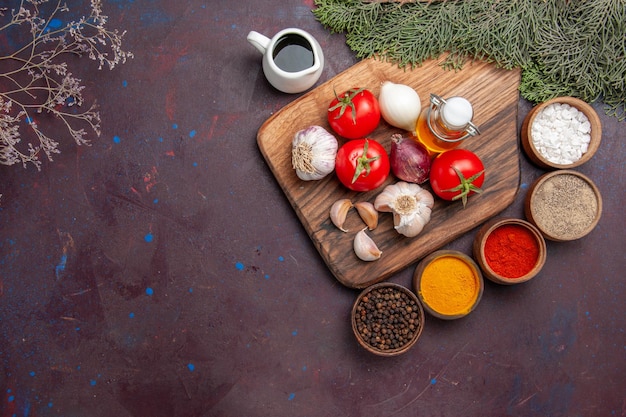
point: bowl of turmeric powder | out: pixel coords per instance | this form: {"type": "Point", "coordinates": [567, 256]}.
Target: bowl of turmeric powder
{"type": "Point", "coordinates": [449, 284]}
{"type": "Point", "coordinates": [509, 250]}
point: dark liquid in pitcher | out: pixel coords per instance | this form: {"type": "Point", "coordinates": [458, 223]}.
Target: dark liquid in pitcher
{"type": "Point", "coordinates": [293, 53]}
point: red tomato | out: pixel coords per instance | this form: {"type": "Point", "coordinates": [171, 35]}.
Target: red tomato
{"type": "Point", "coordinates": [354, 113]}
{"type": "Point", "coordinates": [456, 174]}
{"type": "Point", "coordinates": [362, 164]}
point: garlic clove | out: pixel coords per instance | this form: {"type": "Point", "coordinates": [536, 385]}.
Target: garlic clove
{"type": "Point", "coordinates": [411, 225]}
{"type": "Point", "coordinates": [339, 211]}
{"type": "Point", "coordinates": [365, 248]}
{"type": "Point", "coordinates": [368, 213]}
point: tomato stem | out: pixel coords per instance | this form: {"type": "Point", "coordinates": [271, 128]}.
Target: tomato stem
{"type": "Point", "coordinates": [363, 163]}
{"type": "Point", "coordinates": [466, 186]}
{"type": "Point", "coordinates": [346, 101]}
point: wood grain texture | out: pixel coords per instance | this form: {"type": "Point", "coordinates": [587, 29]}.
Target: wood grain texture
{"type": "Point", "coordinates": [494, 95]}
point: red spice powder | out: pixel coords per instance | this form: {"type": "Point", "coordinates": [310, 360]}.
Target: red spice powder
{"type": "Point", "coordinates": [511, 251]}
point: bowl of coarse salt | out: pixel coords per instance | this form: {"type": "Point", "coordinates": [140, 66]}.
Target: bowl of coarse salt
{"type": "Point", "coordinates": [561, 133]}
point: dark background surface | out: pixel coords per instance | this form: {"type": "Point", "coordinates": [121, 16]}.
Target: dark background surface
{"type": "Point", "coordinates": [162, 272]}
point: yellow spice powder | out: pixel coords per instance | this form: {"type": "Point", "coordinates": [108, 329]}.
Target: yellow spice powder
{"type": "Point", "coordinates": [449, 286]}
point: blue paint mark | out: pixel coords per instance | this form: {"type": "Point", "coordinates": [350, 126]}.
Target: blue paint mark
{"type": "Point", "coordinates": [433, 381]}
{"type": "Point", "coordinates": [280, 258]}
{"type": "Point", "coordinates": [156, 17]}
{"type": "Point", "coordinates": [562, 334]}
{"type": "Point", "coordinates": [55, 23]}
{"type": "Point", "coordinates": [239, 266]}
{"type": "Point", "coordinates": [28, 120]}
{"type": "Point", "coordinates": [523, 186]}
{"type": "Point", "coordinates": [294, 332]}
{"type": "Point", "coordinates": [93, 382]}
{"type": "Point", "coordinates": [192, 133]}
{"type": "Point", "coordinates": [191, 367]}
{"type": "Point", "coordinates": [155, 201]}
{"type": "Point", "coordinates": [11, 398]}
{"type": "Point", "coordinates": [190, 290]}
{"type": "Point", "coordinates": [31, 373]}
{"type": "Point", "coordinates": [122, 4]}
{"type": "Point", "coordinates": [77, 328]}
{"type": "Point", "coordinates": [149, 237]}
{"type": "Point", "coordinates": [116, 139]}
{"type": "Point", "coordinates": [195, 164]}
{"type": "Point", "coordinates": [303, 368]}
{"type": "Point", "coordinates": [266, 276]}
{"type": "Point", "coordinates": [124, 83]}
{"type": "Point", "coordinates": [160, 139]}
{"type": "Point", "coordinates": [131, 315]}
{"type": "Point", "coordinates": [174, 126]}
{"type": "Point", "coordinates": [50, 404]}
{"type": "Point", "coordinates": [149, 291]}
{"type": "Point", "coordinates": [291, 396]}
{"type": "Point", "coordinates": [58, 270]}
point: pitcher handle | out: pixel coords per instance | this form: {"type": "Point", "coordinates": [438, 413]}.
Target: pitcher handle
{"type": "Point", "coordinates": [259, 41]}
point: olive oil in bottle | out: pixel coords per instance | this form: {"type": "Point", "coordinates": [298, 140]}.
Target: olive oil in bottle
{"type": "Point", "coordinates": [445, 123]}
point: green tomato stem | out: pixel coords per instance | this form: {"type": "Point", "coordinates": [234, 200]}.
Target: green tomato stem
{"type": "Point", "coordinates": [345, 102]}
{"type": "Point", "coordinates": [466, 186]}
{"type": "Point", "coordinates": [363, 163]}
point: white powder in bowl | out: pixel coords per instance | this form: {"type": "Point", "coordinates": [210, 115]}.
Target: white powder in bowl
{"type": "Point", "coordinates": [561, 133]}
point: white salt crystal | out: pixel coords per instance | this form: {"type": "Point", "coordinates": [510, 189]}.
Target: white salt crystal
{"type": "Point", "coordinates": [561, 133]}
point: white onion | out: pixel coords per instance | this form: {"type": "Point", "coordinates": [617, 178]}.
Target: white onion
{"type": "Point", "coordinates": [400, 105]}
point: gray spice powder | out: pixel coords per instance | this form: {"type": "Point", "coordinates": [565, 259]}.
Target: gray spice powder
{"type": "Point", "coordinates": [565, 206]}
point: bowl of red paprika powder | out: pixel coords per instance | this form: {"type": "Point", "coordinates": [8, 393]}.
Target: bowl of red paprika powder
{"type": "Point", "coordinates": [509, 250]}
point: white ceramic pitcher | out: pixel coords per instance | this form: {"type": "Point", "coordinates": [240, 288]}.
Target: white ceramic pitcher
{"type": "Point", "coordinates": [292, 60]}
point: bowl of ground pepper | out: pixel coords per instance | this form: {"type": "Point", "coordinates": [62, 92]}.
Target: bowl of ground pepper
{"type": "Point", "coordinates": [387, 319]}
{"type": "Point", "coordinates": [509, 251]}
{"type": "Point", "coordinates": [561, 133]}
{"type": "Point", "coordinates": [564, 205]}
{"type": "Point", "coordinates": [448, 283]}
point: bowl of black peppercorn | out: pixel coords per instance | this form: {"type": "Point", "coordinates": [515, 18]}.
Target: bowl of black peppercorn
{"type": "Point", "coordinates": [387, 319]}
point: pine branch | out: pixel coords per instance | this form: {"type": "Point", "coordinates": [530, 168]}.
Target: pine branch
{"type": "Point", "coordinates": [563, 47]}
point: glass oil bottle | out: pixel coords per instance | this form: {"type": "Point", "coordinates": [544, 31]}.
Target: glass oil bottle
{"type": "Point", "coordinates": [445, 123]}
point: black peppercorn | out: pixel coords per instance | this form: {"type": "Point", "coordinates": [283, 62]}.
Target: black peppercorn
{"type": "Point", "coordinates": [386, 318]}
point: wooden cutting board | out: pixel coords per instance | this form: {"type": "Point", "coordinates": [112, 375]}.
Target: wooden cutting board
{"type": "Point", "coordinates": [494, 94]}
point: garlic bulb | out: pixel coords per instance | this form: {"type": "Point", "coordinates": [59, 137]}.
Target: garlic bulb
{"type": "Point", "coordinates": [365, 248]}
{"type": "Point", "coordinates": [410, 204]}
{"type": "Point", "coordinates": [313, 153]}
{"type": "Point", "coordinates": [400, 105]}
